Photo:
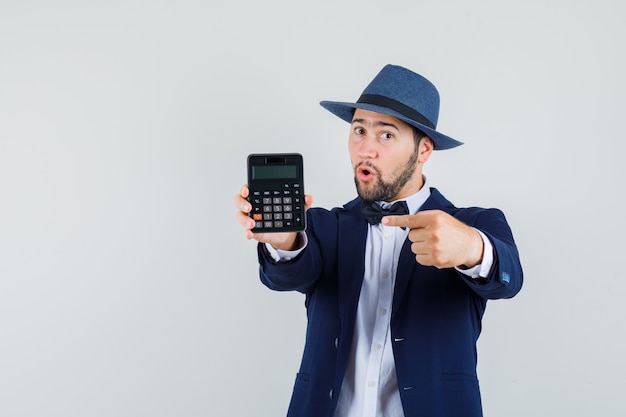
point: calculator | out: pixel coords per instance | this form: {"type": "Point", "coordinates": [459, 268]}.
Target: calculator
{"type": "Point", "coordinates": [276, 192]}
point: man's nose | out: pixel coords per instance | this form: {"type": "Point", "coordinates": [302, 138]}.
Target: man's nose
{"type": "Point", "coordinates": [368, 147]}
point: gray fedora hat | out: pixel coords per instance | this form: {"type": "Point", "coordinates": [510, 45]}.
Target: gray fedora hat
{"type": "Point", "coordinates": [399, 92]}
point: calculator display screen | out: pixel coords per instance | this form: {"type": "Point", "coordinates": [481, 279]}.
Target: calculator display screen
{"type": "Point", "coordinates": [268, 172]}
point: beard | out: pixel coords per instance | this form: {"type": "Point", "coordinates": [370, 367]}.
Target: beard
{"type": "Point", "coordinates": [386, 190]}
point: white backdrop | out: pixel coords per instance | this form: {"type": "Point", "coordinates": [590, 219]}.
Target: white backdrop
{"type": "Point", "coordinates": [126, 286]}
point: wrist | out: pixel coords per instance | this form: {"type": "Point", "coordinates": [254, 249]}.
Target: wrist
{"type": "Point", "coordinates": [476, 249]}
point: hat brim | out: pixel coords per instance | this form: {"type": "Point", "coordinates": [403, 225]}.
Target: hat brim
{"type": "Point", "coordinates": [345, 111]}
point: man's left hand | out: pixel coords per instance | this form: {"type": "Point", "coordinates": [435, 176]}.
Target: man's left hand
{"type": "Point", "coordinates": [440, 240]}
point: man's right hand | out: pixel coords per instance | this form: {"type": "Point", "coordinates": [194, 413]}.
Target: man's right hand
{"type": "Point", "coordinates": [281, 241]}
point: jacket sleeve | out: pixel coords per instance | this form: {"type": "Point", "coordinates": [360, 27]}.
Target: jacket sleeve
{"type": "Point", "coordinates": [301, 273]}
{"type": "Point", "coordinates": [506, 276]}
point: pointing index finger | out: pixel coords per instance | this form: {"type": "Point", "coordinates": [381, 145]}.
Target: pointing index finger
{"type": "Point", "coordinates": [406, 220]}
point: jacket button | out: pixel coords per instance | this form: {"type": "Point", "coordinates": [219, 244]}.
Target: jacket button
{"type": "Point", "coordinates": [331, 393]}
{"type": "Point", "coordinates": [336, 342]}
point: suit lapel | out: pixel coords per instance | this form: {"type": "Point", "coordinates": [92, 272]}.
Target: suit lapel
{"type": "Point", "coordinates": [352, 229]}
{"type": "Point", "coordinates": [407, 262]}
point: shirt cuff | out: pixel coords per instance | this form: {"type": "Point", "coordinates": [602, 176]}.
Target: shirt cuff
{"type": "Point", "coordinates": [482, 269]}
{"type": "Point", "coordinates": [279, 255]}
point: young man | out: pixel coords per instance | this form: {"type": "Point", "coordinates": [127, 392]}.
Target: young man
{"type": "Point", "coordinates": [394, 306]}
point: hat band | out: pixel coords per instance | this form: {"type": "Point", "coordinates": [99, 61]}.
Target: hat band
{"type": "Point", "coordinates": [397, 106]}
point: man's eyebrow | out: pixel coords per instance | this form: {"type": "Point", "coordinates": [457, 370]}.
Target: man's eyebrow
{"type": "Point", "coordinates": [378, 123]}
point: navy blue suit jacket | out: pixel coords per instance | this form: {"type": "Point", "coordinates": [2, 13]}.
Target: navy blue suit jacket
{"type": "Point", "coordinates": [436, 313]}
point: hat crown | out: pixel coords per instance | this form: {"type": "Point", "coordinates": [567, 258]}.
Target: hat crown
{"type": "Point", "coordinates": [407, 87]}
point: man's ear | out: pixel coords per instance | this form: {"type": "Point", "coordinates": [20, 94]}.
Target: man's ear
{"type": "Point", "coordinates": [426, 147]}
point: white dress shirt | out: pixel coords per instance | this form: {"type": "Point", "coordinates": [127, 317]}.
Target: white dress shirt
{"type": "Point", "coordinates": [369, 387]}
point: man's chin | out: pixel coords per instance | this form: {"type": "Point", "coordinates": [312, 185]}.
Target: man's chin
{"type": "Point", "coordinates": [367, 194]}
{"type": "Point", "coordinates": [369, 191]}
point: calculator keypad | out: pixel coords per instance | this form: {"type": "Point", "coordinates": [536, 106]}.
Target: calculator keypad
{"type": "Point", "coordinates": [278, 207]}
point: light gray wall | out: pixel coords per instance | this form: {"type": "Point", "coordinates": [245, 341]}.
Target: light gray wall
{"type": "Point", "coordinates": [126, 287]}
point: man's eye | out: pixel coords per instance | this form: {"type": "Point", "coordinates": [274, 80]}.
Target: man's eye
{"type": "Point", "coordinates": [386, 136]}
{"type": "Point", "coordinates": [358, 131]}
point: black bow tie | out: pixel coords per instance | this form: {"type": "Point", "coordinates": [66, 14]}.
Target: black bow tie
{"type": "Point", "coordinates": [374, 213]}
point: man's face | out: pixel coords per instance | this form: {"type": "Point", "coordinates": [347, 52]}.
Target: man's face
{"type": "Point", "coordinates": [386, 161]}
